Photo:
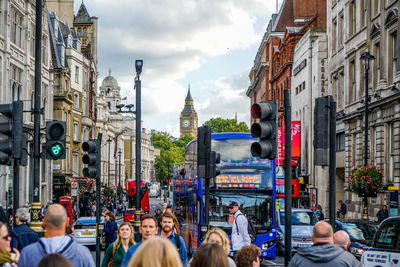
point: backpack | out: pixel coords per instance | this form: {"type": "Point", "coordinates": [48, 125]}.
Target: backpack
{"type": "Point", "coordinates": [177, 242]}
{"type": "Point", "coordinates": [250, 229]}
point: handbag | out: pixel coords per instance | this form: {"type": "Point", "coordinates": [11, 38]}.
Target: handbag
{"type": "Point", "coordinates": [110, 261]}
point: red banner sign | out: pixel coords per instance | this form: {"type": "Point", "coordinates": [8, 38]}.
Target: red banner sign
{"type": "Point", "coordinates": [296, 140]}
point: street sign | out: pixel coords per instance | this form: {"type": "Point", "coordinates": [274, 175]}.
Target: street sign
{"type": "Point", "coordinates": [74, 185]}
{"type": "Point", "coordinates": [74, 192]}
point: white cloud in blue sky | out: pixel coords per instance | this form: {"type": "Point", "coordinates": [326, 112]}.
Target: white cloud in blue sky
{"type": "Point", "coordinates": [207, 43]}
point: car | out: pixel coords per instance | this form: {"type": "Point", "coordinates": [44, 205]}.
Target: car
{"type": "Point", "coordinates": [303, 221]}
{"type": "Point", "coordinates": [129, 215]}
{"type": "Point", "coordinates": [385, 249]}
{"type": "Point", "coordinates": [154, 192]}
{"type": "Point", "coordinates": [85, 230]}
{"type": "Point", "coordinates": [361, 234]}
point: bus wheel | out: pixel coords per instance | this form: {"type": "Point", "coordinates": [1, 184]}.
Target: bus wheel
{"type": "Point", "coordinates": [190, 249]}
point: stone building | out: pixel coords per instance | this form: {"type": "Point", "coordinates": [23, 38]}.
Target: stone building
{"type": "Point", "coordinates": [354, 27]}
{"type": "Point", "coordinates": [188, 119]}
{"type": "Point", "coordinates": [17, 82]}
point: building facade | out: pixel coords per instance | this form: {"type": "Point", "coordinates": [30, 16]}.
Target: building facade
{"type": "Point", "coordinates": [188, 118]}
{"type": "Point", "coordinates": [17, 82]}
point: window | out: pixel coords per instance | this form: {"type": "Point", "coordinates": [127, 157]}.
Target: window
{"type": "Point", "coordinates": [76, 74]}
{"type": "Point", "coordinates": [375, 7]}
{"type": "Point", "coordinates": [334, 88]}
{"type": "Point", "coordinates": [340, 137]}
{"type": "Point", "coordinates": [33, 38]}
{"type": "Point", "coordinates": [392, 56]}
{"type": "Point", "coordinates": [352, 81]}
{"type": "Point", "coordinates": [16, 27]}
{"type": "Point", "coordinates": [387, 235]}
{"type": "Point", "coordinates": [361, 11]}
{"type": "Point", "coordinates": [334, 34]}
{"type": "Point", "coordinates": [84, 32]}
{"type": "Point", "coordinates": [376, 65]}
{"type": "Point", "coordinates": [44, 50]}
{"type": "Point", "coordinates": [76, 131]}
{"type": "Point", "coordinates": [340, 95]}
{"type": "Point", "coordinates": [304, 85]}
{"type": "Point", "coordinates": [75, 164]}
{"type": "Point", "coordinates": [76, 100]}
{"type": "Point", "coordinates": [79, 31]}
{"type": "Point", "coordinates": [340, 31]}
{"type": "Point", "coordinates": [352, 18]}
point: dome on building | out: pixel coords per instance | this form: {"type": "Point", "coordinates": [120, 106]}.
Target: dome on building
{"type": "Point", "coordinates": [109, 81]}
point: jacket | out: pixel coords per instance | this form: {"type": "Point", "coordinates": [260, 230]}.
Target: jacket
{"type": "Point", "coordinates": [110, 229]}
{"type": "Point", "coordinates": [22, 236]}
{"type": "Point", "coordinates": [182, 247]}
{"type": "Point", "coordinates": [129, 254]}
{"type": "Point", "coordinates": [77, 254]}
{"type": "Point", "coordinates": [323, 255]}
{"type": "Point", "coordinates": [119, 255]}
{"type": "Point", "coordinates": [240, 234]}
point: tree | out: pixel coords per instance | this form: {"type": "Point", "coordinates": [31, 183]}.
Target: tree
{"type": "Point", "coordinates": [219, 125]}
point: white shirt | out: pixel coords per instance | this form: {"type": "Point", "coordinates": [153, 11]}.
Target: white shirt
{"type": "Point", "coordinates": [240, 235]}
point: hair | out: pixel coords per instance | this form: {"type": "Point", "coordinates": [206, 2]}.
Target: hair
{"type": "Point", "coordinates": [210, 255]}
{"type": "Point", "coordinates": [118, 242]}
{"type": "Point", "coordinates": [111, 215]}
{"type": "Point", "coordinates": [340, 201]}
{"type": "Point", "coordinates": [156, 252]}
{"type": "Point", "coordinates": [342, 239]}
{"type": "Point", "coordinates": [224, 237]}
{"type": "Point", "coordinates": [54, 260]}
{"type": "Point", "coordinates": [246, 256]}
{"type": "Point", "coordinates": [318, 207]}
{"type": "Point", "coordinates": [149, 216]}
{"type": "Point", "coordinates": [23, 214]}
{"type": "Point", "coordinates": [167, 214]}
{"type": "Point", "coordinates": [322, 230]}
{"type": "Point", "coordinates": [55, 216]}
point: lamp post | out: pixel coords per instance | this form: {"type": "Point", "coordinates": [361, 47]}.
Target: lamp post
{"type": "Point", "coordinates": [366, 56]}
{"type": "Point", "coordinates": [109, 159]}
{"type": "Point", "coordinates": [119, 168]}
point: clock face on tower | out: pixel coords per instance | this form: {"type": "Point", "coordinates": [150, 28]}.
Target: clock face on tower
{"type": "Point", "coordinates": [186, 123]}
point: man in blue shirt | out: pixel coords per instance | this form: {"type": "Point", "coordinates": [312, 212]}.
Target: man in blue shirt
{"type": "Point", "coordinates": [167, 231]}
{"type": "Point", "coordinates": [148, 228]}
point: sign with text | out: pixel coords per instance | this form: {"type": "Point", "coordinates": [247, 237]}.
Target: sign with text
{"type": "Point", "coordinates": [296, 140]}
{"type": "Point", "coordinates": [238, 179]}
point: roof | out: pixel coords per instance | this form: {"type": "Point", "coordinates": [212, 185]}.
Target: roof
{"type": "Point", "coordinates": [83, 16]}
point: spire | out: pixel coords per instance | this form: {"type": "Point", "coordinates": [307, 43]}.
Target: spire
{"type": "Point", "coordinates": [83, 16]}
{"type": "Point", "coordinates": [109, 72]}
{"type": "Point", "coordinates": [236, 116]}
{"type": "Point", "coordinates": [189, 96]}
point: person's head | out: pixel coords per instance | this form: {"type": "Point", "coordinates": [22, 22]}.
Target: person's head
{"type": "Point", "coordinates": [177, 212]}
{"type": "Point", "coordinates": [322, 233]}
{"type": "Point", "coordinates": [218, 236]}
{"type": "Point", "coordinates": [340, 202]}
{"type": "Point", "coordinates": [233, 207]}
{"type": "Point", "coordinates": [22, 216]}
{"type": "Point", "coordinates": [318, 207]}
{"type": "Point", "coordinates": [248, 256]}
{"type": "Point", "coordinates": [125, 232]}
{"type": "Point", "coordinates": [158, 211]}
{"type": "Point", "coordinates": [156, 252]}
{"type": "Point", "coordinates": [55, 218]}
{"type": "Point", "coordinates": [167, 222]}
{"type": "Point", "coordinates": [342, 239]}
{"type": "Point", "coordinates": [54, 260]}
{"type": "Point", "coordinates": [5, 238]}
{"type": "Point", "coordinates": [210, 255]}
{"type": "Point", "coordinates": [384, 207]}
{"type": "Point", "coordinates": [148, 227]}
{"type": "Point", "coordinates": [110, 216]}
{"type": "Point", "coordinates": [169, 209]}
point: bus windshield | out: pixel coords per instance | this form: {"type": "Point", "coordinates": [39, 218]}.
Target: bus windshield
{"type": "Point", "coordinates": [232, 149]}
{"type": "Point", "coordinates": [258, 207]}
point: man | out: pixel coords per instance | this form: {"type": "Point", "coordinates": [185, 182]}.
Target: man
{"type": "Point", "coordinates": [148, 228]}
{"type": "Point", "coordinates": [342, 239]}
{"type": "Point", "coordinates": [55, 222]}
{"type": "Point", "coordinates": [382, 214]}
{"type": "Point", "coordinates": [342, 209]}
{"type": "Point", "coordinates": [240, 234]}
{"type": "Point", "coordinates": [323, 252]}
{"type": "Point", "coordinates": [167, 231]}
{"type": "Point", "coordinates": [22, 235]}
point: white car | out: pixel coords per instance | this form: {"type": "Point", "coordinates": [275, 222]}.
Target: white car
{"type": "Point", "coordinates": [85, 230]}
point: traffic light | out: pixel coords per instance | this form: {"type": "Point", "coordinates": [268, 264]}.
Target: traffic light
{"type": "Point", "coordinates": [12, 130]}
{"type": "Point", "coordinates": [203, 149]}
{"type": "Point", "coordinates": [91, 159]}
{"type": "Point", "coordinates": [266, 129]}
{"type": "Point", "coordinates": [213, 169]}
{"type": "Point", "coordinates": [55, 140]}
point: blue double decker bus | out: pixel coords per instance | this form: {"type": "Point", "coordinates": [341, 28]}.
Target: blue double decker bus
{"type": "Point", "coordinates": [244, 179]}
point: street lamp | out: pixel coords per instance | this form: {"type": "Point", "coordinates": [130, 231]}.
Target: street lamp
{"type": "Point", "coordinates": [366, 56]}
{"type": "Point", "coordinates": [119, 168]}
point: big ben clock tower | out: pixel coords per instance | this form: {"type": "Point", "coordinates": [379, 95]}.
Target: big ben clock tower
{"type": "Point", "coordinates": [188, 120]}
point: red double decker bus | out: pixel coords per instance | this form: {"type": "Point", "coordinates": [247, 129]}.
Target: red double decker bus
{"type": "Point", "coordinates": [144, 194]}
{"type": "Point", "coordinates": [280, 183]}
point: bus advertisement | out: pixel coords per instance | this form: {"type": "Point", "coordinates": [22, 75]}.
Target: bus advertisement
{"type": "Point", "coordinates": [244, 179]}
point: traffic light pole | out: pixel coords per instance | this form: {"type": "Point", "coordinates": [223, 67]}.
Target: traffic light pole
{"type": "Point", "coordinates": [98, 207]}
{"type": "Point", "coordinates": [288, 176]}
{"type": "Point", "coordinates": [36, 224]}
{"type": "Point", "coordinates": [332, 161]}
{"type": "Point", "coordinates": [138, 85]}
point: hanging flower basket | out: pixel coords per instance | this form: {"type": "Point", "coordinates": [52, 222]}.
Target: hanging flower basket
{"type": "Point", "coordinates": [366, 181]}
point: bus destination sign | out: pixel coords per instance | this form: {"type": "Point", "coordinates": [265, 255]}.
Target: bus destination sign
{"type": "Point", "coordinates": [238, 180]}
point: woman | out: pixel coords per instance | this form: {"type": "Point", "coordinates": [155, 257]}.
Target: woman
{"type": "Point", "coordinates": [318, 212]}
{"type": "Point", "coordinates": [210, 255]}
{"type": "Point", "coordinates": [6, 257]}
{"type": "Point", "coordinates": [156, 252]}
{"type": "Point", "coordinates": [248, 256]}
{"type": "Point", "coordinates": [54, 260]}
{"type": "Point", "coordinates": [110, 228]}
{"type": "Point", "coordinates": [116, 251]}
{"type": "Point", "coordinates": [218, 236]}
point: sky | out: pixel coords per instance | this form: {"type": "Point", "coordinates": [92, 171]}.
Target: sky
{"type": "Point", "coordinates": [209, 44]}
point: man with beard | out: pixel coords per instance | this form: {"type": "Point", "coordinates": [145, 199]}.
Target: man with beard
{"type": "Point", "coordinates": [148, 228]}
{"type": "Point", "coordinates": [167, 231]}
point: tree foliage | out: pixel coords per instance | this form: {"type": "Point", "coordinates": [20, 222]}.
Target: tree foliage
{"type": "Point", "coordinates": [172, 150]}
{"type": "Point", "coordinates": [219, 125]}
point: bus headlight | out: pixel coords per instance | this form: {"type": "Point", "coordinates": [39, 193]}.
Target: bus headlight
{"type": "Point", "coordinates": [356, 251]}
{"type": "Point", "coordinates": [267, 245]}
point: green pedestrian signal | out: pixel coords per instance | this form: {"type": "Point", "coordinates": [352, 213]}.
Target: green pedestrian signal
{"type": "Point", "coordinates": [55, 140]}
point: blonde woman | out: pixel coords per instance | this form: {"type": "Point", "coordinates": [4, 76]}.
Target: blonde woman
{"type": "Point", "coordinates": [218, 236]}
{"type": "Point", "coordinates": [116, 251]}
{"type": "Point", "coordinates": [156, 252]}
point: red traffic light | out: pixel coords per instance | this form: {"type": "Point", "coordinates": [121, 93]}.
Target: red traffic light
{"type": "Point", "coordinates": [262, 110]}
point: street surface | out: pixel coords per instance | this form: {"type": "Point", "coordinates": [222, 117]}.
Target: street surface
{"type": "Point", "coordinates": [157, 203]}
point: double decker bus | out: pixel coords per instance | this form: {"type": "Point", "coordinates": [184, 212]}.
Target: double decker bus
{"type": "Point", "coordinates": [144, 194]}
{"type": "Point", "coordinates": [247, 180]}
{"type": "Point", "coordinates": [280, 184]}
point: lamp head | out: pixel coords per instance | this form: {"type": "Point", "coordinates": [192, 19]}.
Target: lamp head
{"type": "Point", "coordinates": [120, 106]}
{"type": "Point", "coordinates": [130, 106]}
{"type": "Point", "coordinates": [138, 65]}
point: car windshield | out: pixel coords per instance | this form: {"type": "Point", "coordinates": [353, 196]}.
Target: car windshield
{"type": "Point", "coordinates": [353, 231]}
{"type": "Point", "coordinates": [258, 207]}
{"type": "Point", "coordinates": [300, 218]}
{"type": "Point", "coordinates": [130, 211]}
{"type": "Point", "coordinates": [368, 230]}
